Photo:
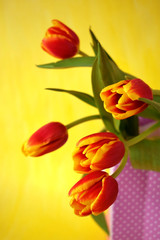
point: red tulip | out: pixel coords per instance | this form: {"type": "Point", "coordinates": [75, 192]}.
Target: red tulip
{"type": "Point", "coordinates": [93, 194]}
{"type": "Point", "coordinates": [46, 139]}
{"type": "Point", "coordinates": [60, 41]}
{"type": "Point", "coordinates": [97, 152]}
{"type": "Point", "coordinates": [122, 98]}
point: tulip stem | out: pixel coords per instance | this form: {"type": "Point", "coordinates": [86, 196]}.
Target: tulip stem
{"type": "Point", "coordinates": [121, 165]}
{"type": "Point", "coordinates": [143, 135]}
{"type": "Point", "coordinates": [81, 120]}
{"type": "Point", "coordinates": [82, 53]}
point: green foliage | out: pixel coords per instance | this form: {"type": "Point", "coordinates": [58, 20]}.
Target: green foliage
{"type": "Point", "coordinates": [82, 96]}
{"type": "Point", "coordinates": [152, 103]}
{"type": "Point", "coordinates": [101, 221]}
{"type": "Point", "coordinates": [69, 63]}
{"type": "Point", "coordinates": [152, 111]}
{"type": "Point", "coordinates": [146, 155]}
{"type": "Point", "coordinates": [106, 71]}
{"type": "Point", "coordinates": [97, 86]}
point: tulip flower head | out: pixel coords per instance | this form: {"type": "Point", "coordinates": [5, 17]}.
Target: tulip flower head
{"type": "Point", "coordinates": [46, 139]}
{"type": "Point", "coordinates": [122, 98]}
{"type": "Point", "coordinates": [60, 41]}
{"type": "Point", "coordinates": [97, 151]}
{"type": "Point", "coordinates": [93, 194]}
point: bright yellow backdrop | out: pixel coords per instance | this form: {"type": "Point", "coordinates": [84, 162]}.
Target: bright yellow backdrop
{"type": "Point", "coordinates": [33, 191]}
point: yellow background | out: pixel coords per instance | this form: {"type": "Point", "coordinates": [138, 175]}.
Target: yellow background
{"type": "Point", "coordinates": [33, 191]}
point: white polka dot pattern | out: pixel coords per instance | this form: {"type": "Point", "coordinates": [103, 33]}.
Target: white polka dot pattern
{"type": "Point", "coordinates": [136, 212]}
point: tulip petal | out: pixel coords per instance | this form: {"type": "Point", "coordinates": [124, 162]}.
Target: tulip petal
{"type": "Point", "coordinates": [136, 89]}
{"type": "Point", "coordinates": [97, 152]}
{"type": "Point", "coordinates": [106, 197]}
{"type": "Point", "coordinates": [60, 41]}
{"type": "Point", "coordinates": [39, 150]}
{"type": "Point", "coordinates": [124, 99]}
{"type": "Point", "coordinates": [78, 153]}
{"type": "Point", "coordinates": [53, 32]}
{"type": "Point", "coordinates": [47, 133]}
{"type": "Point", "coordinates": [74, 204]}
{"type": "Point", "coordinates": [96, 137]}
{"type": "Point", "coordinates": [85, 212]}
{"type": "Point", "coordinates": [88, 196]}
{"type": "Point", "coordinates": [111, 101]}
{"type": "Point", "coordinates": [60, 25]}
{"type": "Point", "coordinates": [79, 158]}
{"type": "Point", "coordinates": [81, 169]}
{"type": "Point", "coordinates": [129, 113]}
{"type": "Point", "coordinates": [108, 155]}
{"type": "Point", "coordinates": [59, 46]}
{"type": "Point", "coordinates": [121, 99]}
{"type": "Point", "coordinates": [85, 163]}
{"type": "Point", "coordinates": [112, 86]}
{"type": "Point", "coordinates": [87, 181]}
{"type": "Point", "coordinates": [46, 139]}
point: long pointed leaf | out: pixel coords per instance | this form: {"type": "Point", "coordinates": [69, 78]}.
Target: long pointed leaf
{"type": "Point", "coordinates": [101, 221]}
{"type": "Point", "coordinates": [149, 161]}
{"type": "Point", "coordinates": [151, 112]}
{"type": "Point", "coordinates": [97, 86]}
{"type": "Point", "coordinates": [69, 63]}
{"type": "Point", "coordinates": [82, 96]}
{"type": "Point", "coordinates": [113, 65]}
{"type": "Point", "coordinates": [96, 43]}
{"type": "Point", "coordinates": [154, 104]}
{"type": "Point", "coordinates": [109, 70]}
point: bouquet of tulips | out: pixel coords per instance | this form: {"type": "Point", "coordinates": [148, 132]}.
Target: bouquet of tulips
{"type": "Point", "coordinates": [121, 100]}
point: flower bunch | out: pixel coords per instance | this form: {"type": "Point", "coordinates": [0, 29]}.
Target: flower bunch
{"type": "Point", "coordinates": [120, 99]}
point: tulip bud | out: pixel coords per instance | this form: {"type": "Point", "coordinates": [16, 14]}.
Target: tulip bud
{"type": "Point", "coordinates": [46, 139]}
{"type": "Point", "coordinates": [122, 98]}
{"type": "Point", "coordinates": [97, 151]}
{"type": "Point", "coordinates": [93, 194]}
{"type": "Point", "coordinates": [60, 41]}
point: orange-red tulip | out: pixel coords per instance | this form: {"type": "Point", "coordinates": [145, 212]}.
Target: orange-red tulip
{"type": "Point", "coordinates": [93, 194]}
{"type": "Point", "coordinates": [122, 98]}
{"type": "Point", "coordinates": [60, 41]}
{"type": "Point", "coordinates": [97, 152]}
{"type": "Point", "coordinates": [46, 139]}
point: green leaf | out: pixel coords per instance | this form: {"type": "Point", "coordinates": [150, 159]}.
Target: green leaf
{"type": "Point", "coordinates": [101, 221]}
{"type": "Point", "coordinates": [151, 112]}
{"type": "Point", "coordinates": [110, 73]}
{"type": "Point", "coordinates": [153, 103]}
{"type": "Point", "coordinates": [80, 95]}
{"type": "Point", "coordinates": [121, 74]}
{"type": "Point", "coordinates": [95, 42]}
{"type": "Point", "coordinates": [146, 155]}
{"type": "Point", "coordinates": [69, 63]}
{"type": "Point", "coordinates": [97, 86]}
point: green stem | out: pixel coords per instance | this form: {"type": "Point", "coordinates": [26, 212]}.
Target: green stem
{"type": "Point", "coordinates": [143, 135]}
{"type": "Point", "coordinates": [82, 53]}
{"type": "Point", "coordinates": [81, 120]}
{"type": "Point", "coordinates": [156, 92]}
{"type": "Point", "coordinates": [122, 165]}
